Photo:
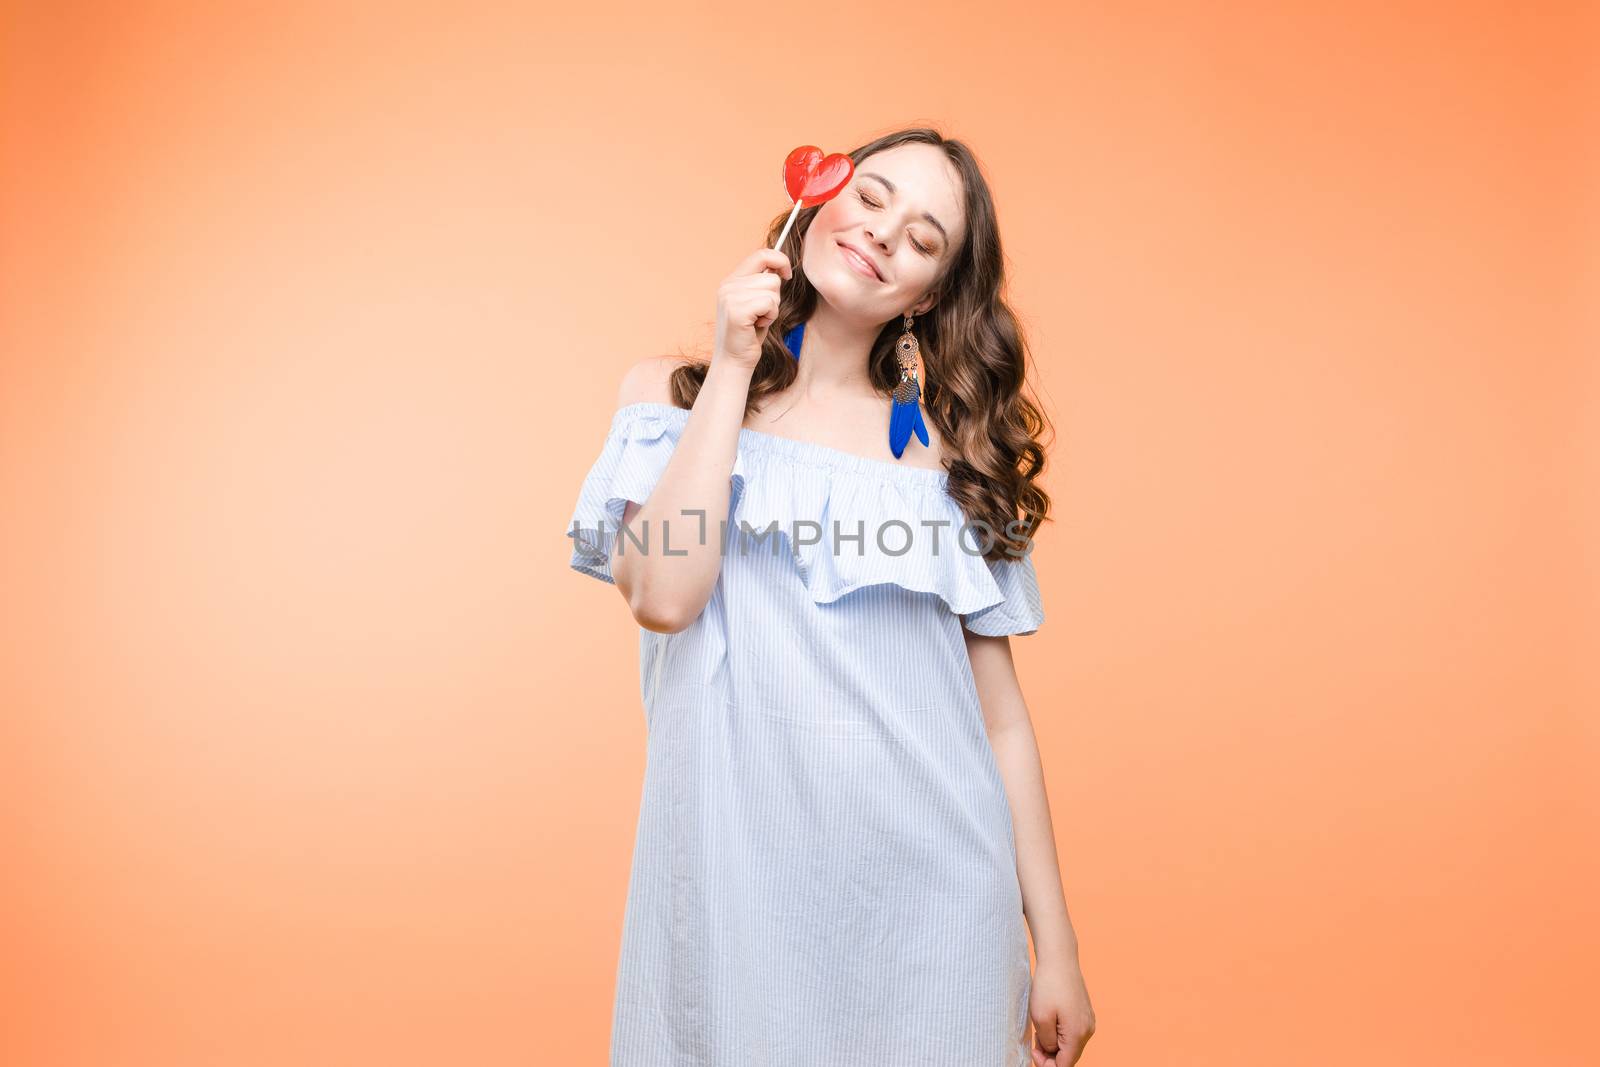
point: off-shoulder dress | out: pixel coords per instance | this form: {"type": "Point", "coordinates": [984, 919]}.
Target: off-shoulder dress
{"type": "Point", "coordinates": [824, 869]}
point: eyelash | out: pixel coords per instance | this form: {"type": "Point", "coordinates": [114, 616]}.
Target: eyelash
{"type": "Point", "coordinates": [873, 203]}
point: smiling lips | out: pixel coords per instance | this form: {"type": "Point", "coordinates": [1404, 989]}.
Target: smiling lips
{"type": "Point", "coordinates": [860, 262]}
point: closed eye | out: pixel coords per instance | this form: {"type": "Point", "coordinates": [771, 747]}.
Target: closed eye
{"type": "Point", "coordinates": [861, 195]}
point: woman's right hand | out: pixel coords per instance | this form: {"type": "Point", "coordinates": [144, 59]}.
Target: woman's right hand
{"type": "Point", "coordinates": [747, 304]}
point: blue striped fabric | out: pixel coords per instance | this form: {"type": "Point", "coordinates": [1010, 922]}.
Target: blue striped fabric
{"type": "Point", "coordinates": [824, 871]}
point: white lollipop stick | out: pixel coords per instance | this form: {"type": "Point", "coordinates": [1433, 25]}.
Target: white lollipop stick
{"type": "Point", "coordinates": [797, 205]}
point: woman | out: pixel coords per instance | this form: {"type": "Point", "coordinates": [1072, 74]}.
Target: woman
{"type": "Point", "coordinates": [844, 825]}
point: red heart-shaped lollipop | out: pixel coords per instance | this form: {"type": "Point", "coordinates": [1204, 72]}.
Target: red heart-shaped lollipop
{"type": "Point", "coordinates": [811, 177]}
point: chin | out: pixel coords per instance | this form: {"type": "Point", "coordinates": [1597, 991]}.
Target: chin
{"type": "Point", "coordinates": [843, 290]}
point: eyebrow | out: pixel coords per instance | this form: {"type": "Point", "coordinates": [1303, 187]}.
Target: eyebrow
{"type": "Point", "coordinates": [889, 185]}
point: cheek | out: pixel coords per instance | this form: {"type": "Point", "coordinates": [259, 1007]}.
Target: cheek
{"type": "Point", "coordinates": [914, 272]}
{"type": "Point", "coordinates": [825, 223]}
{"type": "Point", "coordinates": [831, 215]}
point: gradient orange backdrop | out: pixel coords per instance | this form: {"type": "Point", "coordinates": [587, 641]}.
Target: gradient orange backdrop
{"type": "Point", "coordinates": [313, 750]}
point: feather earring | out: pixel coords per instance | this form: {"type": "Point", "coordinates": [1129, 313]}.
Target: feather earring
{"type": "Point", "coordinates": [793, 339]}
{"type": "Point", "coordinates": [905, 417]}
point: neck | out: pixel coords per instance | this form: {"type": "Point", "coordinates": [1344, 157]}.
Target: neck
{"type": "Point", "coordinates": [834, 362]}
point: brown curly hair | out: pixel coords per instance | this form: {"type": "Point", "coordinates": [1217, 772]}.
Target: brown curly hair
{"type": "Point", "coordinates": [973, 349]}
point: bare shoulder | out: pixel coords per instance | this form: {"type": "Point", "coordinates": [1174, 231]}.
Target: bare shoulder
{"type": "Point", "coordinates": [649, 381]}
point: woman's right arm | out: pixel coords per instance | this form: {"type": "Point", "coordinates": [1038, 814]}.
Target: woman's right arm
{"type": "Point", "coordinates": [683, 516]}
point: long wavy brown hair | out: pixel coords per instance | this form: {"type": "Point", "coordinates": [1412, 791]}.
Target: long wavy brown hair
{"type": "Point", "coordinates": [973, 350]}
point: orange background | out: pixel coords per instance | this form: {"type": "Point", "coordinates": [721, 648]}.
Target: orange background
{"type": "Point", "coordinates": [313, 750]}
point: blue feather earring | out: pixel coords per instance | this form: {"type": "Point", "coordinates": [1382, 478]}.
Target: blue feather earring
{"type": "Point", "coordinates": [905, 416]}
{"type": "Point", "coordinates": [793, 338]}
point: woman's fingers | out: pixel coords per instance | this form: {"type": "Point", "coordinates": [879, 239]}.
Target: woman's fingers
{"type": "Point", "coordinates": [764, 259]}
{"type": "Point", "coordinates": [1046, 1045]}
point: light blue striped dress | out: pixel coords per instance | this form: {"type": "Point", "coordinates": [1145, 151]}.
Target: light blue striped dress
{"type": "Point", "coordinates": [824, 873]}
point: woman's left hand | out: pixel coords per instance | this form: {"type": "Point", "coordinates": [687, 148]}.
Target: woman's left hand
{"type": "Point", "coordinates": [1063, 1020]}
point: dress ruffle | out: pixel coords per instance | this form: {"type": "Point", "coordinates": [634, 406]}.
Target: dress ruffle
{"type": "Point", "coordinates": [1020, 610]}
{"type": "Point", "coordinates": [636, 451]}
{"type": "Point", "coordinates": [847, 521]}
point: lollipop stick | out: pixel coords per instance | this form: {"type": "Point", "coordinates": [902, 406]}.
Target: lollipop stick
{"type": "Point", "coordinates": [797, 205]}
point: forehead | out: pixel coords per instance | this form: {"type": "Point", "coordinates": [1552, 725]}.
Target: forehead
{"type": "Point", "coordinates": [924, 177]}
